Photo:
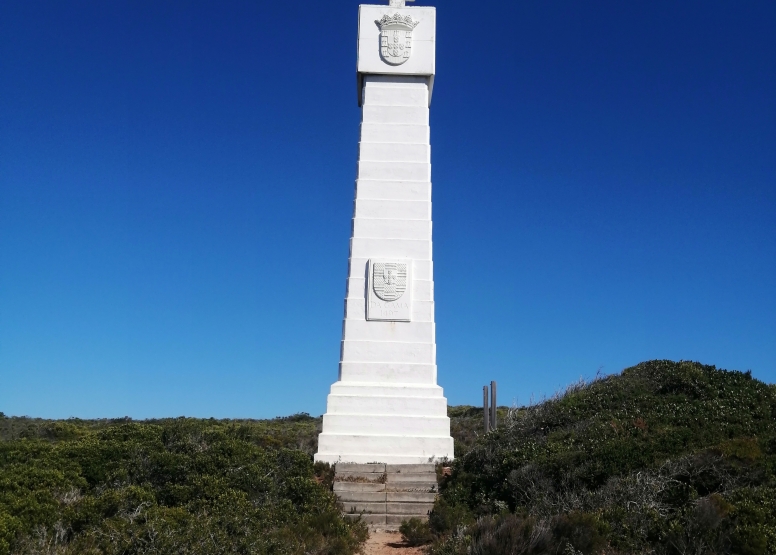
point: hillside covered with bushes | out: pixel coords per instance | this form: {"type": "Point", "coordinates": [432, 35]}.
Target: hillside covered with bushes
{"type": "Point", "coordinates": [664, 458]}
{"type": "Point", "coordinates": [173, 486]}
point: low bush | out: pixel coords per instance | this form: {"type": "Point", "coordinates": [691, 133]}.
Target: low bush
{"type": "Point", "coordinates": [665, 458]}
{"type": "Point", "coordinates": [415, 532]}
{"type": "Point", "coordinates": [172, 486]}
{"type": "Point", "coordinates": [517, 534]}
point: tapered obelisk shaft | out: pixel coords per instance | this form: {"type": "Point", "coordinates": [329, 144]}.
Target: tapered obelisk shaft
{"type": "Point", "coordinates": [386, 405]}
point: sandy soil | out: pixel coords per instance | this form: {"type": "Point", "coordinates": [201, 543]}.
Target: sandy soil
{"type": "Point", "coordinates": [388, 543]}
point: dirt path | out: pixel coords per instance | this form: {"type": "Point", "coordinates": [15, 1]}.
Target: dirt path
{"type": "Point", "coordinates": [388, 543]}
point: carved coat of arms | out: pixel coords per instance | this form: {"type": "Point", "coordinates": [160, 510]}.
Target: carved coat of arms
{"type": "Point", "coordinates": [396, 37]}
{"type": "Point", "coordinates": [389, 280]}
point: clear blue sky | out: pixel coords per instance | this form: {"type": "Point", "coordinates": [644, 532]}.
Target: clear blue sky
{"type": "Point", "coordinates": [176, 185]}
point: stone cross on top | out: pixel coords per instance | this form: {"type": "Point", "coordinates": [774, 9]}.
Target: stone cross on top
{"type": "Point", "coordinates": [398, 3]}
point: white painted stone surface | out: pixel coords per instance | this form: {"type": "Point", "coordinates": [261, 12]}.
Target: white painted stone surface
{"type": "Point", "coordinates": [421, 62]}
{"type": "Point", "coordinates": [380, 228]}
{"type": "Point", "coordinates": [386, 406]}
{"type": "Point", "coordinates": [422, 311]}
{"type": "Point", "coordinates": [358, 374]}
{"type": "Point", "coordinates": [394, 133]}
{"type": "Point", "coordinates": [393, 190]}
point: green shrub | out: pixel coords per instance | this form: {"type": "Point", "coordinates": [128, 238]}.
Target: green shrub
{"type": "Point", "coordinates": [324, 474]}
{"type": "Point", "coordinates": [447, 515]}
{"type": "Point", "coordinates": [416, 532]}
{"type": "Point", "coordinates": [666, 456]}
{"type": "Point", "coordinates": [527, 535]}
{"type": "Point", "coordinates": [167, 486]}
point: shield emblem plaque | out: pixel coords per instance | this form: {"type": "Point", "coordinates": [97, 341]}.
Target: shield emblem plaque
{"type": "Point", "coordinates": [389, 290]}
{"type": "Point", "coordinates": [389, 280]}
{"type": "Point", "coordinates": [396, 38]}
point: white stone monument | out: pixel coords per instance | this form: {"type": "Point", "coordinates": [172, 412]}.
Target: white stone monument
{"type": "Point", "coordinates": [386, 406]}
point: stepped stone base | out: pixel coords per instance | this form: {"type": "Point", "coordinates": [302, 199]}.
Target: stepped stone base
{"type": "Point", "coordinates": [384, 495]}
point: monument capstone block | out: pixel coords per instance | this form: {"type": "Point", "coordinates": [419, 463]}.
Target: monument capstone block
{"type": "Point", "coordinates": [386, 406]}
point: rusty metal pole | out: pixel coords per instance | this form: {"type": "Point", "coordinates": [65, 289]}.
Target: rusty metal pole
{"type": "Point", "coordinates": [485, 411]}
{"type": "Point", "coordinates": [493, 405]}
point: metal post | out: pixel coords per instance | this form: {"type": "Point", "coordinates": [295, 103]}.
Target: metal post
{"type": "Point", "coordinates": [485, 411]}
{"type": "Point", "coordinates": [493, 405]}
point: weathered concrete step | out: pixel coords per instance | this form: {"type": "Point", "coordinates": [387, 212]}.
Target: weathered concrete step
{"type": "Point", "coordinates": [356, 508]}
{"type": "Point", "coordinates": [366, 497]}
{"type": "Point", "coordinates": [409, 497]}
{"type": "Point", "coordinates": [371, 519]}
{"type": "Point", "coordinates": [408, 509]}
{"type": "Point", "coordinates": [381, 521]}
{"type": "Point", "coordinates": [350, 497]}
{"type": "Point", "coordinates": [360, 477]}
{"type": "Point", "coordinates": [385, 495]}
{"type": "Point", "coordinates": [358, 486]}
{"type": "Point", "coordinates": [423, 487]}
{"type": "Point", "coordinates": [410, 477]}
{"type": "Point", "coordinates": [355, 467]}
{"type": "Point", "coordinates": [412, 468]}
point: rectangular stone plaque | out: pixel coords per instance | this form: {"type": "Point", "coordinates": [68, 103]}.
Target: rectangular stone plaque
{"type": "Point", "coordinates": [389, 290]}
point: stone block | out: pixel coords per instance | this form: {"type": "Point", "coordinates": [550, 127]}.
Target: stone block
{"type": "Point", "coordinates": [409, 497]}
{"type": "Point", "coordinates": [355, 308]}
{"type": "Point", "coordinates": [422, 311]}
{"type": "Point", "coordinates": [395, 152]}
{"type": "Point", "coordinates": [399, 407]}
{"type": "Point", "coordinates": [382, 372]}
{"type": "Point", "coordinates": [370, 519]}
{"type": "Point", "coordinates": [359, 423]}
{"type": "Point", "coordinates": [422, 58]}
{"type": "Point", "coordinates": [394, 133]}
{"type": "Point", "coordinates": [391, 228]}
{"type": "Point", "coordinates": [387, 351]}
{"type": "Point", "coordinates": [408, 508]}
{"type": "Point", "coordinates": [365, 468]}
{"type": "Point", "coordinates": [394, 171]}
{"type": "Point", "coordinates": [355, 508]}
{"type": "Point", "coordinates": [391, 248]}
{"type": "Point", "coordinates": [360, 477]}
{"type": "Point", "coordinates": [358, 486]}
{"type": "Point", "coordinates": [393, 210]}
{"type": "Point", "coordinates": [422, 290]}
{"type": "Point", "coordinates": [388, 389]}
{"type": "Point", "coordinates": [414, 468]}
{"type": "Point", "coordinates": [359, 330]}
{"type": "Point", "coordinates": [390, 81]}
{"type": "Point", "coordinates": [358, 448]}
{"type": "Point", "coordinates": [367, 189]}
{"type": "Point", "coordinates": [392, 477]}
{"type": "Point", "coordinates": [420, 487]}
{"type": "Point", "coordinates": [364, 497]}
{"type": "Point", "coordinates": [413, 115]}
{"type": "Point", "coordinates": [356, 289]}
{"type": "Point", "coordinates": [376, 94]}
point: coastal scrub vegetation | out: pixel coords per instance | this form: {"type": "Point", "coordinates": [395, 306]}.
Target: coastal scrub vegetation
{"type": "Point", "coordinates": [664, 458]}
{"type": "Point", "coordinates": [166, 487]}
{"type": "Point", "coordinates": [667, 457]}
